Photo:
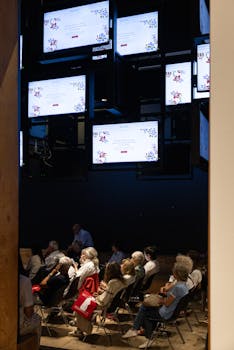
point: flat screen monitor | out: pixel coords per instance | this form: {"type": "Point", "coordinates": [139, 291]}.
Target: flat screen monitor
{"type": "Point", "coordinates": [203, 67]}
{"type": "Point", "coordinates": [75, 27]}
{"type": "Point", "coordinates": [57, 96]}
{"type": "Point", "coordinates": [178, 83]}
{"type": "Point", "coordinates": [125, 142]}
{"type": "Point", "coordinates": [204, 137]}
{"type": "Point", "coordinates": [137, 34]}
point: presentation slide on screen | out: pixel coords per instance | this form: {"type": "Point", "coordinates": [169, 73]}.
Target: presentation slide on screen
{"type": "Point", "coordinates": [137, 34]}
{"type": "Point", "coordinates": [56, 96]}
{"type": "Point", "coordinates": [76, 27]}
{"type": "Point", "coordinates": [126, 142]}
{"type": "Point", "coordinates": [203, 67]}
{"type": "Point", "coordinates": [178, 83]}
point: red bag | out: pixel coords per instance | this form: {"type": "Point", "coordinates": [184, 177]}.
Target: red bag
{"type": "Point", "coordinates": [85, 304]}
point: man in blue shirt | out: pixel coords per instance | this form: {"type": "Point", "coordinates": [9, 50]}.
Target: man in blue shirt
{"type": "Point", "coordinates": [82, 236]}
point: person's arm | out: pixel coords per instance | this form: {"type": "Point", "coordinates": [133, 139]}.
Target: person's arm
{"type": "Point", "coordinates": [168, 300]}
{"type": "Point", "coordinates": [52, 273]}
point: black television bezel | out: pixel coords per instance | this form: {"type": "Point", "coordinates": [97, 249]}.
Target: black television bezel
{"type": "Point", "coordinates": [56, 75]}
{"type": "Point", "coordinates": [73, 53]}
{"type": "Point", "coordinates": [176, 60]}
{"type": "Point", "coordinates": [125, 165]}
{"type": "Point", "coordinates": [140, 55]}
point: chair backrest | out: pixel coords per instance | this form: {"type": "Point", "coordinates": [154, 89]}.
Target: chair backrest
{"type": "Point", "coordinates": [181, 306]}
{"type": "Point", "coordinates": [73, 289]}
{"type": "Point", "coordinates": [116, 301]}
{"type": "Point", "coordinates": [90, 284]}
{"type": "Point", "coordinates": [148, 282]}
{"type": "Point", "coordinates": [57, 297]}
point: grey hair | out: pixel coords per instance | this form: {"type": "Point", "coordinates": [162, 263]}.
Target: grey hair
{"type": "Point", "coordinates": [138, 257]}
{"type": "Point", "coordinates": [181, 271]}
{"type": "Point", "coordinates": [186, 261]}
{"type": "Point", "coordinates": [65, 260]}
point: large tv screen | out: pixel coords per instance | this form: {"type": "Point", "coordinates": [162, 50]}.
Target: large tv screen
{"type": "Point", "coordinates": [57, 96]}
{"type": "Point", "coordinates": [203, 67]}
{"type": "Point", "coordinates": [125, 142]}
{"type": "Point", "coordinates": [137, 34]}
{"type": "Point", "coordinates": [178, 83]}
{"type": "Point", "coordinates": [76, 27]}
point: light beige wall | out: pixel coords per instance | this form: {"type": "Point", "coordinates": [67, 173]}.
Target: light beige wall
{"type": "Point", "coordinates": [221, 195]}
{"type": "Point", "coordinates": [8, 175]}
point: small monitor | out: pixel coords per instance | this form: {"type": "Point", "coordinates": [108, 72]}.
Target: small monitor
{"type": "Point", "coordinates": [76, 27]}
{"type": "Point", "coordinates": [125, 142]}
{"type": "Point", "coordinates": [178, 83]}
{"type": "Point", "coordinates": [137, 34]}
{"type": "Point", "coordinates": [57, 96]}
{"type": "Point", "coordinates": [203, 67]}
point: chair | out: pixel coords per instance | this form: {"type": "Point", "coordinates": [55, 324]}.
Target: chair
{"type": "Point", "coordinates": [181, 309]}
{"type": "Point", "coordinates": [148, 282]}
{"type": "Point", "coordinates": [101, 315]}
{"type": "Point", "coordinates": [55, 305]}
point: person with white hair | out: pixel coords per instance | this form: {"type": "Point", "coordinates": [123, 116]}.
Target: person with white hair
{"type": "Point", "coordinates": [52, 255]}
{"type": "Point", "coordinates": [138, 260]}
{"type": "Point", "coordinates": [89, 264]}
{"type": "Point", "coordinates": [57, 279]}
{"type": "Point", "coordinates": [165, 309]}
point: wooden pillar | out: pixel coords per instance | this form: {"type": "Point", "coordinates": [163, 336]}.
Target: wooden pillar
{"type": "Point", "coordinates": [221, 200]}
{"type": "Point", "coordinates": [8, 174]}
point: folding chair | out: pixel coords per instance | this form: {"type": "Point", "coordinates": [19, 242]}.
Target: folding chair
{"type": "Point", "coordinates": [55, 305]}
{"type": "Point", "coordinates": [180, 311]}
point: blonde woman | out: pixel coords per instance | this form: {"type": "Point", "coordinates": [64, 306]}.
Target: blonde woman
{"type": "Point", "coordinates": [128, 271]}
{"type": "Point", "coordinates": [89, 264]}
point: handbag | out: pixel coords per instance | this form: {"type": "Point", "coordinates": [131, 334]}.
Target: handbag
{"type": "Point", "coordinates": [85, 304]}
{"type": "Point", "coordinates": [152, 300]}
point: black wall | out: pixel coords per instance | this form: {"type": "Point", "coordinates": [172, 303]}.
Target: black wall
{"type": "Point", "coordinates": [113, 205]}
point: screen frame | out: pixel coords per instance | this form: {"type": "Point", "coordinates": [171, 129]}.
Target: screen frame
{"type": "Point", "coordinates": [134, 165]}
{"type": "Point", "coordinates": [42, 118]}
{"type": "Point", "coordinates": [139, 54]}
{"type": "Point", "coordinates": [78, 52]}
{"type": "Point", "coordinates": [177, 105]}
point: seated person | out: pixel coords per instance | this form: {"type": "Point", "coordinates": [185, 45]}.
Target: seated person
{"type": "Point", "coordinates": [117, 254]}
{"type": "Point", "coordinates": [164, 311]}
{"type": "Point", "coordinates": [188, 263]}
{"type": "Point", "coordinates": [128, 271]}
{"type": "Point", "coordinates": [112, 283]}
{"type": "Point", "coordinates": [54, 282]}
{"type": "Point", "coordinates": [35, 262]}
{"type": "Point", "coordinates": [196, 274]}
{"type": "Point", "coordinates": [138, 261]}
{"type": "Point", "coordinates": [89, 264]}
{"type": "Point", "coordinates": [151, 266]}
{"type": "Point", "coordinates": [52, 255]}
{"type": "Point", "coordinates": [29, 321]}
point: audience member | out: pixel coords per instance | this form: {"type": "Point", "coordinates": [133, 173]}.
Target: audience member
{"type": "Point", "coordinates": [35, 262]}
{"type": "Point", "coordinates": [165, 309]}
{"type": "Point", "coordinates": [82, 236]}
{"type": "Point", "coordinates": [89, 264]}
{"type": "Point", "coordinates": [112, 283]}
{"type": "Point", "coordinates": [138, 260]}
{"type": "Point", "coordinates": [151, 266]}
{"type": "Point", "coordinates": [117, 253]}
{"type": "Point", "coordinates": [52, 255]}
{"type": "Point", "coordinates": [56, 280]}
{"type": "Point", "coordinates": [196, 274]}
{"type": "Point", "coordinates": [29, 321]}
{"type": "Point", "coordinates": [128, 271]}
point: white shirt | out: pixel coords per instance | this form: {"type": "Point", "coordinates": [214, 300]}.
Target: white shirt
{"type": "Point", "coordinates": [87, 269]}
{"type": "Point", "coordinates": [151, 267]}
